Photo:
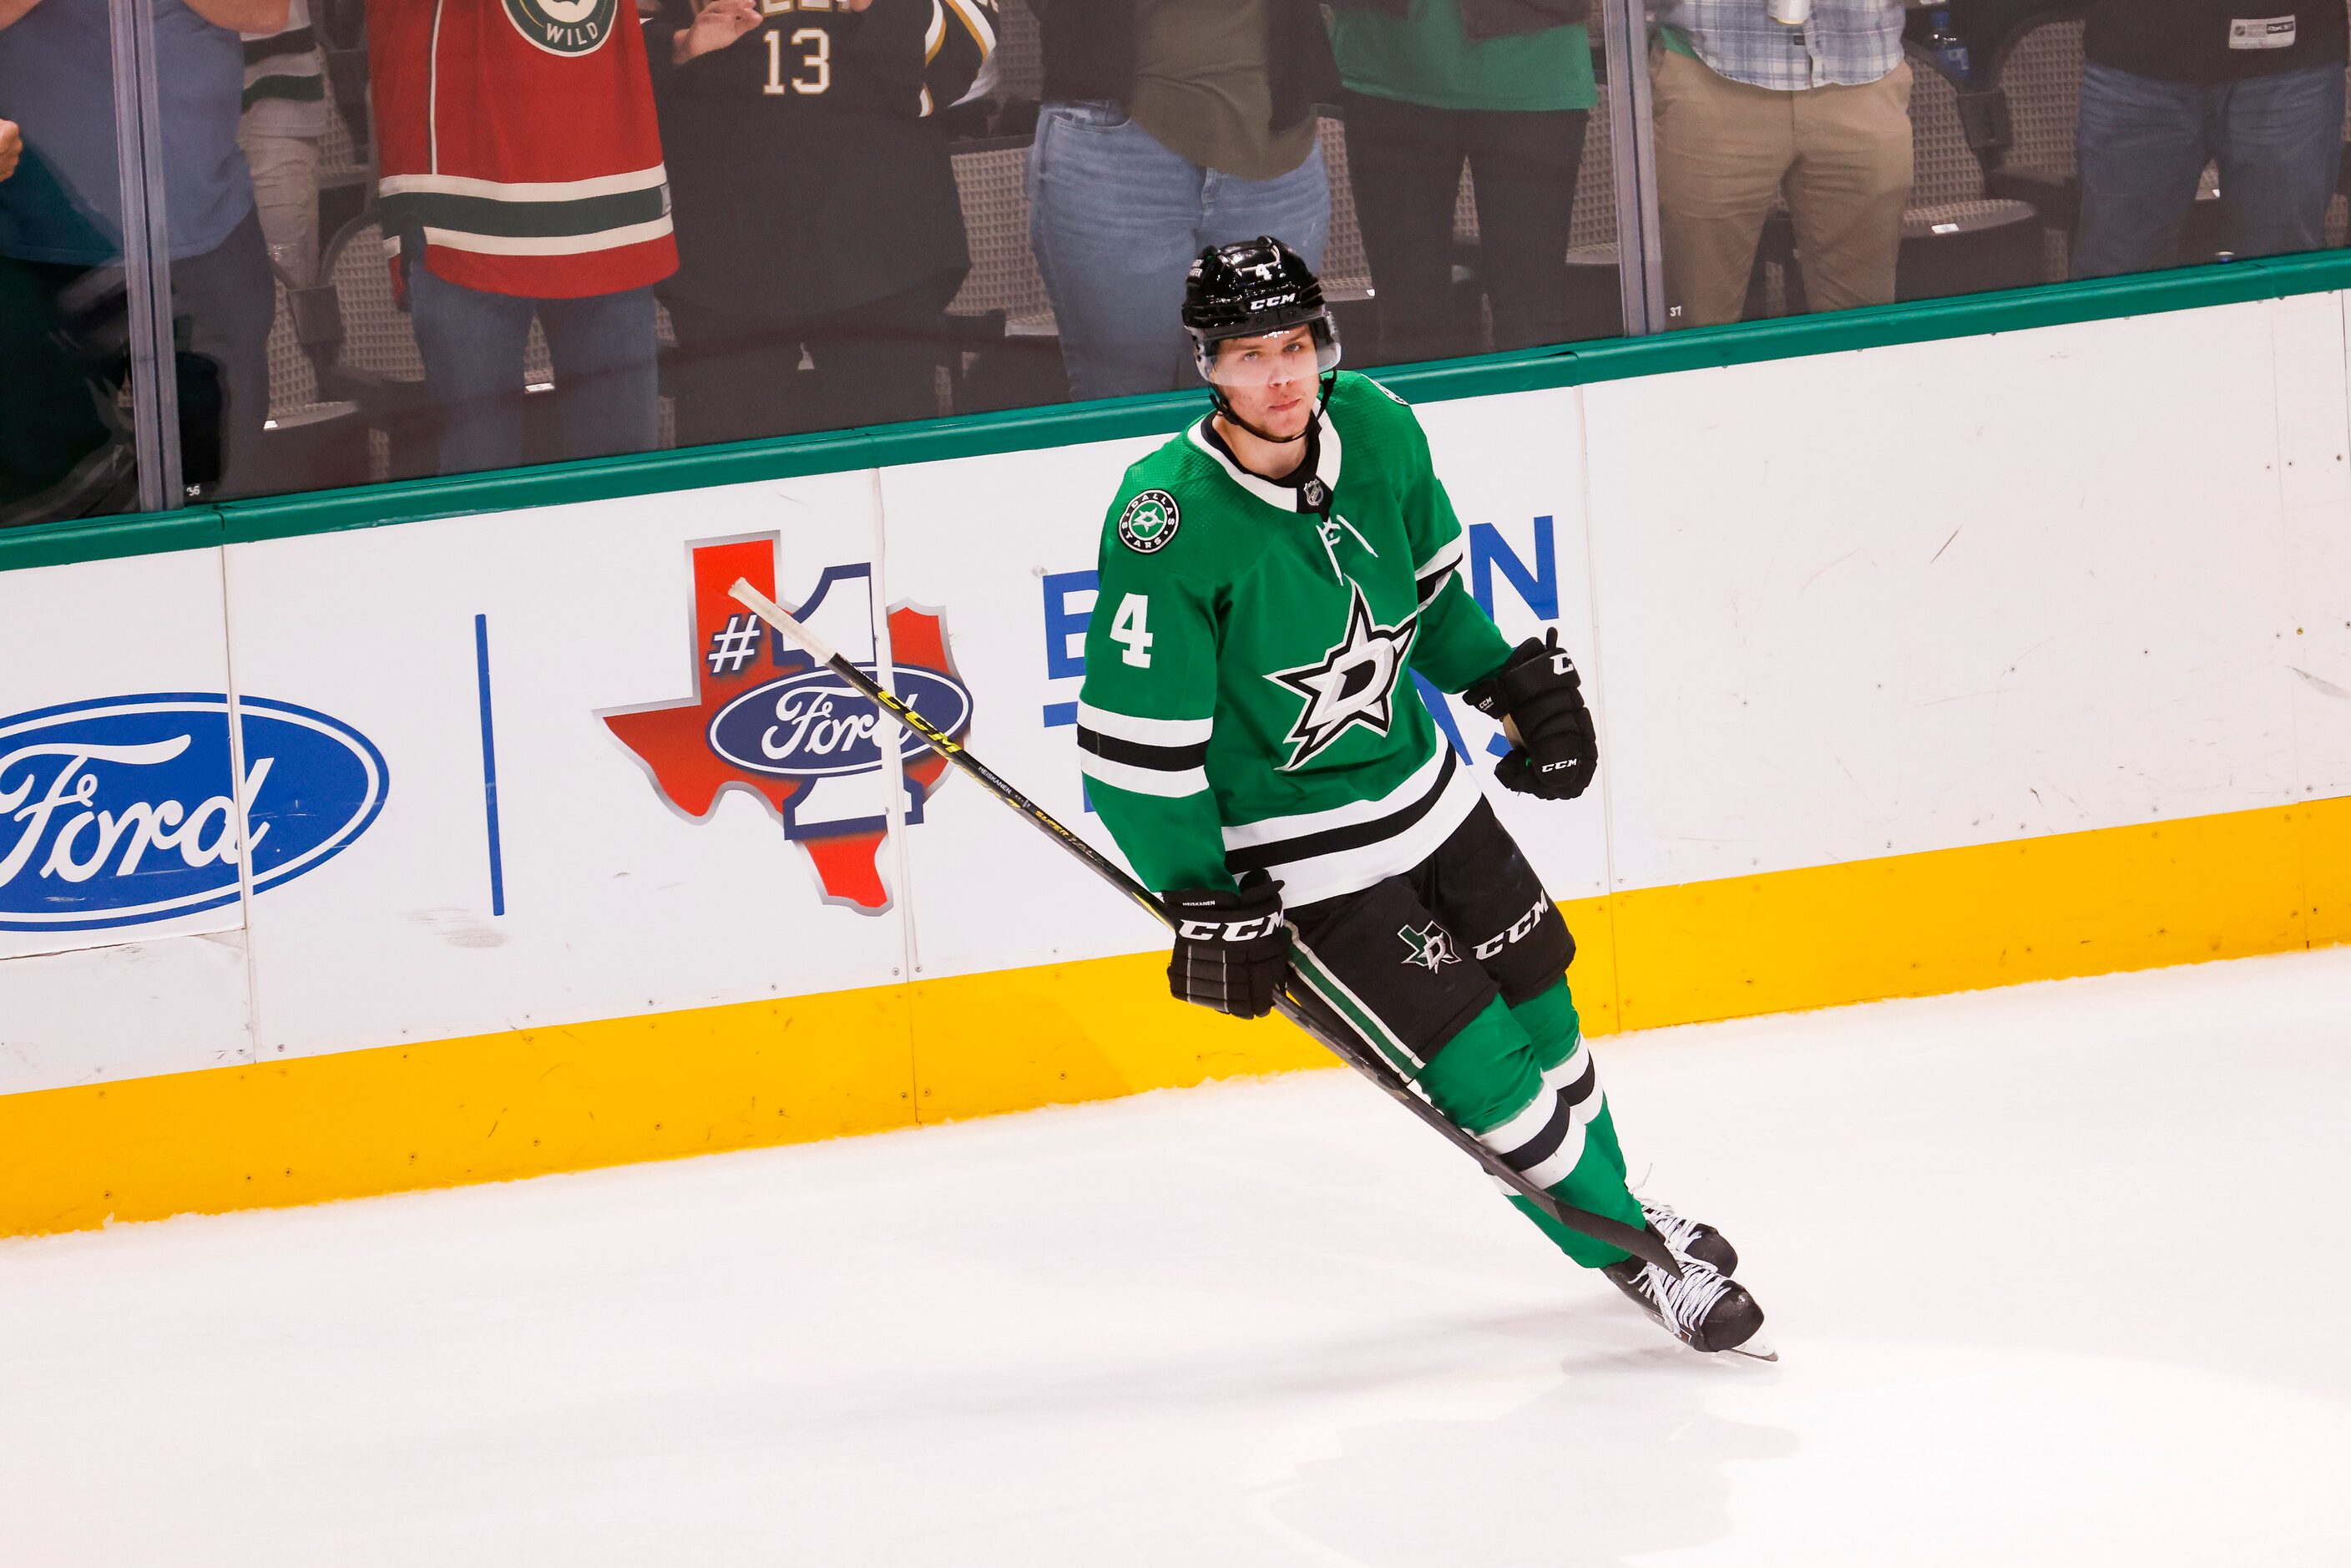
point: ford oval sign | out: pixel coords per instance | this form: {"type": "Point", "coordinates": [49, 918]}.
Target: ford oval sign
{"type": "Point", "coordinates": [118, 811]}
{"type": "Point", "coordinates": [813, 725]}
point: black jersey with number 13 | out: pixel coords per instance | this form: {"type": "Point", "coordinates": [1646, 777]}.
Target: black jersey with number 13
{"type": "Point", "coordinates": [808, 164]}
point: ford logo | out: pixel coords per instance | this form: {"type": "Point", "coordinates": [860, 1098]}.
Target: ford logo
{"type": "Point", "coordinates": [813, 725]}
{"type": "Point", "coordinates": [118, 811]}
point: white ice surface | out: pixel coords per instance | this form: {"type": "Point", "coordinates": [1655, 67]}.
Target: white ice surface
{"type": "Point", "coordinates": [2058, 1273]}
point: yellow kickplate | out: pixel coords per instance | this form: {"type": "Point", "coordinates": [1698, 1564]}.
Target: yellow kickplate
{"type": "Point", "coordinates": [488, 1108]}
{"type": "Point", "coordinates": [532, 1101]}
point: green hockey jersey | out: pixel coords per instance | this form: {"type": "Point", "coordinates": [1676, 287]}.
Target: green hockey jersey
{"type": "Point", "coordinates": [1247, 703]}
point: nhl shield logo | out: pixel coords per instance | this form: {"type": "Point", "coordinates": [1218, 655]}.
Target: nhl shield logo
{"type": "Point", "coordinates": [1149, 521]}
{"type": "Point", "coordinates": [767, 718]}
{"type": "Point", "coordinates": [564, 26]}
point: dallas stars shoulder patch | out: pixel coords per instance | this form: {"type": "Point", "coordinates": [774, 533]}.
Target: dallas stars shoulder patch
{"type": "Point", "coordinates": [1149, 522]}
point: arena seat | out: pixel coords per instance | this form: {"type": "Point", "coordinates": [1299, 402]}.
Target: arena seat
{"type": "Point", "coordinates": [1956, 237]}
{"type": "Point", "coordinates": [1010, 345]}
{"type": "Point", "coordinates": [376, 363]}
{"type": "Point", "coordinates": [2038, 71]}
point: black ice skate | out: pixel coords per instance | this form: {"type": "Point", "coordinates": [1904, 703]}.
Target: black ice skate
{"type": "Point", "coordinates": [1695, 1237]}
{"type": "Point", "coordinates": [1704, 1309]}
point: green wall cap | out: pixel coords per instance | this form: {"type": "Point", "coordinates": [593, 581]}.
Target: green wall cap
{"type": "Point", "coordinates": [929, 441]}
{"type": "Point", "coordinates": [108, 539]}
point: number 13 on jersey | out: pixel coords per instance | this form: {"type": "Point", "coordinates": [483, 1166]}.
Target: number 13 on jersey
{"type": "Point", "coordinates": [818, 60]}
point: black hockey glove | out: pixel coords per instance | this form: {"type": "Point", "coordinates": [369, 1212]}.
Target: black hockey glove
{"type": "Point", "coordinates": [1231, 948]}
{"type": "Point", "coordinates": [1538, 692]}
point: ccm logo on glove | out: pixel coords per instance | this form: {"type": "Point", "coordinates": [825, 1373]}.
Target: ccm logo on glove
{"type": "Point", "coordinates": [1231, 948]}
{"type": "Point", "coordinates": [1231, 931]}
{"type": "Point", "coordinates": [1539, 698]}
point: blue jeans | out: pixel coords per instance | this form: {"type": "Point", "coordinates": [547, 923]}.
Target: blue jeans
{"type": "Point", "coordinates": [1116, 219]}
{"type": "Point", "coordinates": [603, 346]}
{"type": "Point", "coordinates": [2144, 143]}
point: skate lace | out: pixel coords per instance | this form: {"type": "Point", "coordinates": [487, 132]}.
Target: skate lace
{"type": "Point", "coordinates": [1687, 1300]}
{"type": "Point", "coordinates": [1678, 1232]}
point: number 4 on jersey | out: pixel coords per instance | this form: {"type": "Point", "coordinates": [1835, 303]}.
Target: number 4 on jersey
{"type": "Point", "coordinates": [1129, 628]}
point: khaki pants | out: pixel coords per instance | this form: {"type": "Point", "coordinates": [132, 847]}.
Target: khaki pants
{"type": "Point", "coordinates": [1727, 152]}
{"type": "Point", "coordinates": [286, 190]}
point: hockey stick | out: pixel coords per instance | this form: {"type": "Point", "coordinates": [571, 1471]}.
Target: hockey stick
{"type": "Point", "coordinates": [1303, 1009]}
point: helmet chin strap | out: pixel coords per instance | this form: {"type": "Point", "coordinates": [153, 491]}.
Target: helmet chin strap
{"type": "Point", "coordinates": [1321, 400]}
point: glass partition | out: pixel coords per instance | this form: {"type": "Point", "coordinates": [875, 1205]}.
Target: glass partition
{"type": "Point", "coordinates": [1478, 160]}
{"type": "Point", "coordinates": [1820, 154]}
{"type": "Point", "coordinates": [374, 257]}
{"type": "Point", "coordinates": [767, 218]}
{"type": "Point", "coordinates": [67, 444]}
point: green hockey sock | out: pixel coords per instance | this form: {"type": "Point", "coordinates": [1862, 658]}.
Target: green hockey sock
{"type": "Point", "coordinates": [1522, 1079]}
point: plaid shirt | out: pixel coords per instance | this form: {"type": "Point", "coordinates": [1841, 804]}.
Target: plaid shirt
{"type": "Point", "coordinates": [1848, 42]}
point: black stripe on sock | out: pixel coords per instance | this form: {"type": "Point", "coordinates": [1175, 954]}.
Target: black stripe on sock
{"type": "Point", "coordinates": [1577, 1093]}
{"type": "Point", "coordinates": [1545, 1144]}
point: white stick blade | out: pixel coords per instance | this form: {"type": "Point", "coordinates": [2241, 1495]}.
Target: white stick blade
{"type": "Point", "coordinates": [774, 615]}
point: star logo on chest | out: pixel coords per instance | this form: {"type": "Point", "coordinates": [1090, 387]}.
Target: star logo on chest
{"type": "Point", "coordinates": [1352, 684]}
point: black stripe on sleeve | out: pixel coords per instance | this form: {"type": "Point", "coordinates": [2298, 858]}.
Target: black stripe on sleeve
{"type": "Point", "coordinates": [1134, 754]}
{"type": "Point", "coordinates": [1432, 585]}
{"type": "Point", "coordinates": [278, 45]}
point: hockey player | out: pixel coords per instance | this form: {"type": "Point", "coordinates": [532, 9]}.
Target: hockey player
{"type": "Point", "coordinates": [1251, 736]}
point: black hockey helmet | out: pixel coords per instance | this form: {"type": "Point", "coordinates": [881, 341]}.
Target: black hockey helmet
{"type": "Point", "coordinates": [1250, 289]}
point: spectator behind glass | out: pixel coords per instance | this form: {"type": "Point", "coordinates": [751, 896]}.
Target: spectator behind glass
{"type": "Point", "coordinates": [1505, 85]}
{"type": "Point", "coordinates": [1167, 126]}
{"type": "Point", "coordinates": [284, 116]}
{"type": "Point", "coordinates": [816, 207]}
{"type": "Point", "coordinates": [1749, 112]}
{"type": "Point", "coordinates": [47, 425]}
{"type": "Point", "coordinates": [521, 178]}
{"type": "Point", "coordinates": [2169, 86]}
{"type": "Point", "coordinates": [64, 216]}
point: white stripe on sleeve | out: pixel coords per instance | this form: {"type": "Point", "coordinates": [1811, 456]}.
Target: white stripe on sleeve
{"type": "Point", "coordinates": [1145, 731]}
{"type": "Point", "coordinates": [1144, 780]}
{"type": "Point", "coordinates": [1446, 557]}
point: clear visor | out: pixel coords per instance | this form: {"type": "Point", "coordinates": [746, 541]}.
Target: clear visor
{"type": "Point", "coordinates": [1294, 354]}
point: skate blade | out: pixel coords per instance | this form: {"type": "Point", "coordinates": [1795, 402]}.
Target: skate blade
{"type": "Point", "coordinates": [1754, 1349]}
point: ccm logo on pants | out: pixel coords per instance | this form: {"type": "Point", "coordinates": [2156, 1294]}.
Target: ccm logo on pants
{"type": "Point", "coordinates": [1520, 929]}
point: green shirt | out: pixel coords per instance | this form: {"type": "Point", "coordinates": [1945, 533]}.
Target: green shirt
{"type": "Point", "coordinates": [1428, 59]}
{"type": "Point", "coordinates": [1204, 86]}
{"type": "Point", "coordinates": [1249, 704]}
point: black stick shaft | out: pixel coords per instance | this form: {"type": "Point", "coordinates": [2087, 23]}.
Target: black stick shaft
{"type": "Point", "coordinates": [1342, 1041]}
